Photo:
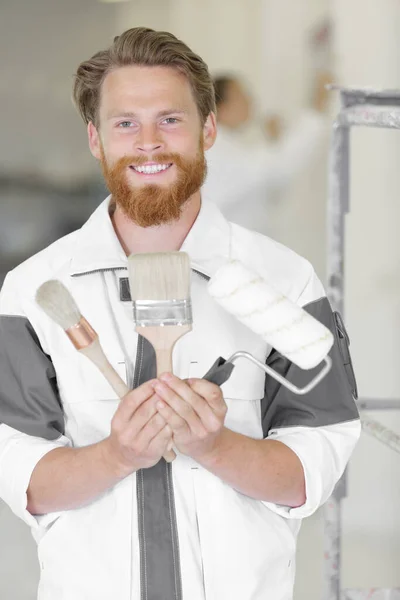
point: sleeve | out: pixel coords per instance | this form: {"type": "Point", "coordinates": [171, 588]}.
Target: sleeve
{"type": "Point", "coordinates": [31, 415]}
{"type": "Point", "coordinates": [19, 455]}
{"type": "Point", "coordinates": [323, 426]}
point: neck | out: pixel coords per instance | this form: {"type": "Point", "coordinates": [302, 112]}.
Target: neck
{"type": "Point", "coordinates": [168, 237]}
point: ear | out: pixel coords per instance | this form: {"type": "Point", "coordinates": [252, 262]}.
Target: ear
{"type": "Point", "coordinates": [94, 140]}
{"type": "Point", "coordinates": [210, 131]}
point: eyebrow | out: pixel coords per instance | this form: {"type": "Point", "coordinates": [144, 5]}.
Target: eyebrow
{"type": "Point", "coordinates": [162, 113]}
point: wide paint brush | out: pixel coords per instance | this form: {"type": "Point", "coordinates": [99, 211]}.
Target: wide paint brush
{"type": "Point", "coordinates": [162, 310]}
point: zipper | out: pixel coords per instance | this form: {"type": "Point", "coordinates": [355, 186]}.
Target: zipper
{"type": "Point", "coordinates": [344, 350]}
{"type": "Point", "coordinates": [143, 580]}
{"type": "Point", "coordinates": [138, 362]}
{"type": "Point", "coordinates": [206, 277]}
{"type": "Point", "coordinates": [178, 591]}
{"type": "Point", "coordinates": [105, 270]}
{"type": "Point", "coordinates": [341, 328]}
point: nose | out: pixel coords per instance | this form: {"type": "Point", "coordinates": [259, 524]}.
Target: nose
{"type": "Point", "coordinates": [148, 140]}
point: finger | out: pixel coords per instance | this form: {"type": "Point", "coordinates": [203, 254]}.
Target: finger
{"type": "Point", "coordinates": [134, 399]}
{"type": "Point", "coordinates": [145, 437]}
{"type": "Point", "coordinates": [162, 439]}
{"type": "Point", "coordinates": [176, 422]}
{"type": "Point", "coordinates": [142, 417]}
{"type": "Point", "coordinates": [184, 391]}
{"type": "Point", "coordinates": [186, 404]}
{"type": "Point", "coordinates": [211, 392]}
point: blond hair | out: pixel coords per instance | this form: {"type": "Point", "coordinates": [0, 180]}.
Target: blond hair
{"type": "Point", "coordinates": [143, 47]}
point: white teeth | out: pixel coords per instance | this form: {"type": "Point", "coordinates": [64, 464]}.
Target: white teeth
{"type": "Point", "coordinates": [149, 169]}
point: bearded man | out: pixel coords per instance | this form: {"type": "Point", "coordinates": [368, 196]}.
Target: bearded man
{"type": "Point", "coordinates": [113, 519]}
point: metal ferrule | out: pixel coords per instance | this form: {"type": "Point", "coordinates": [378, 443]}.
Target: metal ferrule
{"type": "Point", "coordinates": [82, 334]}
{"type": "Point", "coordinates": [159, 313]}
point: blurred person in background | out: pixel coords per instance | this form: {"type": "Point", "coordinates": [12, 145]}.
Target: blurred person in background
{"type": "Point", "coordinates": [242, 176]}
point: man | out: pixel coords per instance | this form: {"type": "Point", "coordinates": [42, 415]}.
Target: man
{"type": "Point", "coordinates": [112, 519]}
{"type": "Point", "coordinates": [242, 175]}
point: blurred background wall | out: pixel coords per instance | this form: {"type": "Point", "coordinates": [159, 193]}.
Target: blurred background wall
{"type": "Point", "coordinates": [49, 184]}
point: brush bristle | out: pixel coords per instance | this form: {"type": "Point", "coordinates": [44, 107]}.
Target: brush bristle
{"type": "Point", "coordinates": [159, 276]}
{"type": "Point", "coordinates": [57, 302]}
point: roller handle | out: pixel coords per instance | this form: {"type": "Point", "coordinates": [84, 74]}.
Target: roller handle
{"type": "Point", "coordinates": [219, 372]}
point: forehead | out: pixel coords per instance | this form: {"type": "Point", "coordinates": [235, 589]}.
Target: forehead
{"type": "Point", "coordinates": [140, 88]}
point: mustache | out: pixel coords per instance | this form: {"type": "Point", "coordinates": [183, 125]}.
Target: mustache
{"type": "Point", "coordinates": [152, 205]}
{"type": "Point", "coordinates": [138, 161]}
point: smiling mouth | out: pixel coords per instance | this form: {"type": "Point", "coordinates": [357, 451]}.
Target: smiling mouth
{"type": "Point", "coordinates": [151, 169]}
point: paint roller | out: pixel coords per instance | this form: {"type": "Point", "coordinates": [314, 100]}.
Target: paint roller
{"type": "Point", "coordinates": [284, 325]}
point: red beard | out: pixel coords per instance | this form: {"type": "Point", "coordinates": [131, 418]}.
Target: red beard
{"type": "Point", "coordinates": [151, 205]}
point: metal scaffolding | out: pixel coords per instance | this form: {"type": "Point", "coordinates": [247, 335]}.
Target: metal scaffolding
{"type": "Point", "coordinates": [367, 108]}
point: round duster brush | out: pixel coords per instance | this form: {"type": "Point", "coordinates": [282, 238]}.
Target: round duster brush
{"type": "Point", "coordinates": [57, 302]}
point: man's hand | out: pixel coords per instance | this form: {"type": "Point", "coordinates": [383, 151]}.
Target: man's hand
{"type": "Point", "coordinates": [195, 410]}
{"type": "Point", "coordinates": [139, 433]}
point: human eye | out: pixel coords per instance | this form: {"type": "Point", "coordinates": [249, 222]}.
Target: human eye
{"type": "Point", "coordinates": [125, 124]}
{"type": "Point", "coordinates": [171, 120]}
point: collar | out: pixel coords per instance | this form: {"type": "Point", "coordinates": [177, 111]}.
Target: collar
{"type": "Point", "coordinates": [98, 248]}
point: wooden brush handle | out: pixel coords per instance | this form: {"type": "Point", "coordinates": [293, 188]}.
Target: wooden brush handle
{"type": "Point", "coordinates": [163, 340]}
{"type": "Point", "coordinates": [94, 352]}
